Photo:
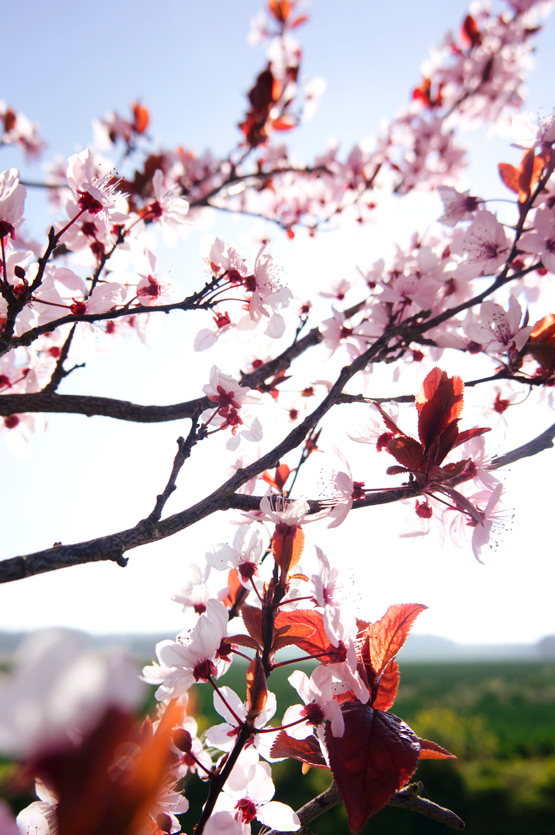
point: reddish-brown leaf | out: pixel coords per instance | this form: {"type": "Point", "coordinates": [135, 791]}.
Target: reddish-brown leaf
{"type": "Point", "coordinates": [290, 634]}
{"type": "Point", "coordinates": [384, 639]}
{"type": "Point", "coordinates": [316, 643]}
{"type": "Point", "coordinates": [280, 9]}
{"type": "Point", "coordinates": [236, 592]}
{"type": "Point", "coordinates": [522, 179]}
{"type": "Point", "coordinates": [287, 546]}
{"type": "Point", "coordinates": [252, 618]}
{"type": "Point", "coordinates": [284, 123]}
{"type": "Point", "coordinates": [408, 452]}
{"type": "Point", "coordinates": [278, 480]}
{"type": "Point", "coordinates": [376, 756]}
{"type": "Point", "coordinates": [306, 750]}
{"type": "Point", "coordinates": [257, 691]}
{"type": "Point", "coordinates": [432, 751]}
{"type": "Point", "coordinates": [439, 402]}
{"type": "Point", "coordinates": [388, 686]}
{"type": "Point", "coordinates": [141, 118]}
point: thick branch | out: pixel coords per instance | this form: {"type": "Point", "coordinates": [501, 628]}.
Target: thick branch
{"type": "Point", "coordinates": [89, 405]}
{"type": "Point", "coordinates": [407, 798]}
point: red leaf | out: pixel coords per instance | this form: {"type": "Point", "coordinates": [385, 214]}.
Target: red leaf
{"type": "Point", "coordinates": [306, 750]}
{"type": "Point", "coordinates": [388, 686]}
{"type": "Point", "coordinates": [376, 756]}
{"type": "Point", "coordinates": [290, 634]}
{"type": "Point", "coordinates": [284, 123]}
{"type": "Point", "coordinates": [278, 480]}
{"type": "Point", "coordinates": [432, 751]}
{"type": "Point", "coordinates": [236, 592]}
{"type": "Point", "coordinates": [522, 179]}
{"type": "Point", "coordinates": [469, 32]}
{"type": "Point", "coordinates": [316, 643]}
{"type": "Point", "coordinates": [280, 9]}
{"type": "Point", "coordinates": [408, 452]}
{"type": "Point", "coordinates": [383, 640]}
{"type": "Point", "coordinates": [257, 692]}
{"type": "Point", "coordinates": [252, 618]}
{"type": "Point", "coordinates": [140, 118]}
{"type": "Point", "coordinates": [439, 403]}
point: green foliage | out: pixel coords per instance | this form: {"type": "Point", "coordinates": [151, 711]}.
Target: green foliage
{"type": "Point", "coordinates": [497, 717]}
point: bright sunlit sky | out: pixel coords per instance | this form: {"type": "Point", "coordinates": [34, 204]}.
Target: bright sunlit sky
{"type": "Point", "coordinates": [64, 64]}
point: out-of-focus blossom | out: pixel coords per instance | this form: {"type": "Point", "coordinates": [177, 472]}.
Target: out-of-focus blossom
{"type": "Point", "coordinates": [484, 246]}
{"type": "Point", "coordinates": [59, 690]}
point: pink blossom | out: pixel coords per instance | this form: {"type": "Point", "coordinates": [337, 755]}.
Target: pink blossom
{"type": "Point", "coordinates": [169, 208]}
{"type": "Point", "coordinates": [229, 396]}
{"type": "Point", "coordinates": [194, 594]}
{"type": "Point", "coordinates": [222, 823]}
{"type": "Point", "coordinates": [193, 657]}
{"type": "Point", "coordinates": [39, 818]}
{"type": "Point", "coordinates": [223, 736]}
{"type": "Point", "coordinates": [541, 240]}
{"type": "Point", "coordinates": [248, 793]}
{"type": "Point", "coordinates": [12, 202]}
{"type": "Point", "coordinates": [95, 192]}
{"type": "Point", "coordinates": [457, 205]}
{"type": "Point", "coordinates": [317, 694]}
{"type": "Point", "coordinates": [488, 518]}
{"type": "Point", "coordinates": [484, 246]}
{"type": "Point", "coordinates": [500, 330]}
{"type": "Point", "coordinates": [244, 555]}
{"type": "Point", "coordinates": [285, 511]}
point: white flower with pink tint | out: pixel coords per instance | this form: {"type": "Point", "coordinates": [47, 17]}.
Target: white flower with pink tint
{"type": "Point", "coordinates": [169, 208]}
{"type": "Point", "coordinates": [94, 190]}
{"type": "Point", "coordinates": [541, 240]}
{"type": "Point", "coordinates": [319, 704]}
{"type": "Point", "coordinates": [500, 330]}
{"type": "Point", "coordinates": [193, 657]}
{"type": "Point", "coordinates": [244, 555]}
{"type": "Point", "coordinates": [267, 296]}
{"type": "Point", "coordinates": [194, 594]}
{"type": "Point", "coordinates": [229, 397]}
{"type": "Point", "coordinates": [223, 736]}
{"type": "Point", "coordinates": [222, 823]}
{"type": "Point", "coordinates": [12, 202]}
{"type": "Point", "coordinates": [39, 818]}
{"type": "Point", "coordinates": [248, 794]}
{"type": "Point", "coordinates": [282, 511]}
{"type": "Point", "coordinates": [457, 205]}
{"type": "Point", "coordinates": [484, 247]}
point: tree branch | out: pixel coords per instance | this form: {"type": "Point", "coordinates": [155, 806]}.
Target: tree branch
{"type": "Point", "coordinates": [407, 798]}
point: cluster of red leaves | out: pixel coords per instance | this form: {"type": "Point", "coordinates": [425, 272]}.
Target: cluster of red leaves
{"type": "Point", "coordinates": [378, 753]}
{"type": "Point", "coordinates": [439, 403]}
{"type": "Point", "coordinates": [263, 98]}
